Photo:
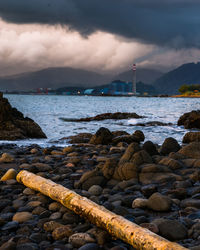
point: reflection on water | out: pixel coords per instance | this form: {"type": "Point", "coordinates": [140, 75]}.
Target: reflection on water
{"type": "Point", "coordinates": [47, 111]}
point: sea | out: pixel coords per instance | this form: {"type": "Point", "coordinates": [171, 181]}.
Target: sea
{"type": "Point", "coordinates": [48, 111]}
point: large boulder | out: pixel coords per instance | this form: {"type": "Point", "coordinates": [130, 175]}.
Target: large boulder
{"type": "Point", "coordinates": [169, 145]}
{"type": "Point", "coordinates": [14, 126]}
{"type": "Point", "coordinates": [102, 136]}
{"type": "Point", "coordinates": [190, 119]}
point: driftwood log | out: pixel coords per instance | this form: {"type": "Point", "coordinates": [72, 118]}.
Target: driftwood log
{"type": "Point", "coordinates": [116, 225]}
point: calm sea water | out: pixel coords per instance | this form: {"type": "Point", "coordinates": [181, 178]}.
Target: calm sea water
{"type": "Point", "coordinates": [47, 111]}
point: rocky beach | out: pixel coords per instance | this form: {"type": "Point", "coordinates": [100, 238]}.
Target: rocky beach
{"type": "Point", "coordinates": [155, 186]}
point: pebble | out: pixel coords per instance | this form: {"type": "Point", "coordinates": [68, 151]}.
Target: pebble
{"type": "Point", "coordinates": [159, 202]}
{"type": "Point", "coordinates": [22, 217]}
{"type": "Point", "coordinates": [80, 239]}
{"type": "Point", "coordinates": [139, 203]}
{"type": "Point", "coordinates": [62, 232]}
{"type": "Point", "coordinates": [95, 190]}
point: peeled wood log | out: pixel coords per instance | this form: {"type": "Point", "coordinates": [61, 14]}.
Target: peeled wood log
{"type": "Point", "coordinates": [116, 225]}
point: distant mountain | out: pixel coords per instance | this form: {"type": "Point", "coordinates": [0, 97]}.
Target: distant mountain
{"type": "Point", "coordinates": [170, 82]}
{"type": "Point", "coordinates": [53, 78]}
{"type": "Point", "coordinates": [69, 77]}
{"type": "Point", "coordinates": [143, 75]}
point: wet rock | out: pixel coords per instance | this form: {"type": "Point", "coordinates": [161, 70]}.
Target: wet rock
{"type": "Point", "coordinates": [190, 119]}
{"type": "Point", "coordinates": [95, 190]}
{"type": "Point", "coordinates": [62, 232]}
{"type": "Point", "coordinates": [96, 180]}
{"type": "Point", "coordinates": [139, 134]}
{"type": "Point", "coordinates": [141, 157]}
{"type": "Point", "coordinates": [70, 218]}
{"type": "Point", "coordinates": [191, 150]}
{"type": "Point", "coordinates": [130, 151]}
{"type": "Point", "coordinates": [109, 168]}
{"type": "Point", "coordinates": [7, 158]}
{"type": "Point", "coordinates": [100, 235]}
{"type": "Point", "coordinates": [10, 245]}
{"type": "Point", "coordinates": [12, 225]}
{"type": "Point", "coordinates": [54, 206]}
{"type": "Point", "coordinates": [150, 226]}
{"type": "Point", "coordinates": [171, 229]}
{"type": "Point", "coordinates": [169, 145]}
{"type": "Point", "coordinates": [51, 226]}
{"type": "Point", "coordinates": [171, 163]}
{"type": "Point", "coordinates": [14, 126]}
{"type": "Point", "coordinates": [125, 139]}
{"type": "Point", "coordinates": [150, 148]}
{"type": "Point", "coordinates": [80, 239]}
{"type": "Point", "coordinates": [190, 203]}
{"type": "Point", "coordinates": [29, 246]}
{"type": "Point", "coordinates": [126, 171]}
{"type": "Point", "coordinates": [55, 216]}
{"type": "Point", "coordinates": [22, 217]}
{"type": "Point", "coordinates": [162, 177]}
{"type": "Point", "coordinates": [80, 138]}
{"type": "Point", "coordinates": [90, 246]}
{"type": "Point", "coordinates": [68, 149]}
{"type": "Point", "coordinates": [139, 203]}
{"type": "Point", "coordinates": [159, 202]}
{"type": "Point", "coordinates": [10, 174]}
{"type": "Point", "coordinates": [28, 191]}
{"type": "Point", "coordinates": [148, 190]}
{"type": "Point", "coordinates": [42, 167]}
{"type": "Point", "coordinates": [102, 136]}
{"type": "Point", "coordinates": [191, 137]}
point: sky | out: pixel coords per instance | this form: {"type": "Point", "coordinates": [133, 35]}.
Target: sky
{"type": "Point", "coordinates": [105, 36]}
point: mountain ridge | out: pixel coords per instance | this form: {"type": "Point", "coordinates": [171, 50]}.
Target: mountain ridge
{"type": "Point", "coordinates": [56, 77]}
{"type": "Point", "coordinates": [170, 82]}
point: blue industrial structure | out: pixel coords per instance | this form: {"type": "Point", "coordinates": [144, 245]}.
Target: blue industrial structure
{"type": "Point", "coordinates": [118, 87]}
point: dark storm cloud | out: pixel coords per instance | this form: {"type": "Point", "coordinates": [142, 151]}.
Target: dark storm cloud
{"type": "Point", "coordinates": [168, 22]}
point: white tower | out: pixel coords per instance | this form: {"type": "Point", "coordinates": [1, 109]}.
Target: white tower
{"type": "Point", "coordinates": [134, 79]}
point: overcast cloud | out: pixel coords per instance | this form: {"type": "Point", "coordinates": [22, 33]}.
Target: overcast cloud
{"type": "Point", "coordinates": [106, 35]}
{"type": "Point", "coordinates": [168, 22]}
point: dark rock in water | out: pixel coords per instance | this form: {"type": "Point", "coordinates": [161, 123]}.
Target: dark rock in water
{"type": "Point", "coordinates": [190, 119]}
{"type": "Point", "coordinates": [80, 138]}
{"type": "Point", "coordinates": [151, 124]}
{"type": "Point", "coordinates": [169, 145]}
{"type": "Point", "coordinates": [150, 148]}
{"type": "Point", "coordinates": [191, 137]}
{"type": "Point", "coordinates": [105, 116]}
{"type": "Point", "coordinates": [14, 126]}
{"type": "Point", "coordinates": [102, 136]}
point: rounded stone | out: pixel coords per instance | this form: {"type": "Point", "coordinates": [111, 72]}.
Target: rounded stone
{"type": "Point", "coordinates": [22, 217]}
{"type": "Point", "coordinates": [95, 190]}
{"type": "Point", "coordinates": [80, 239]}
{"type": "Point", "coordinates": [139, 203]}
{"type": "Point", "coordinates": [159, 202]}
